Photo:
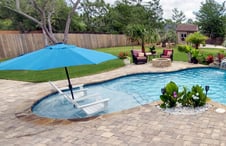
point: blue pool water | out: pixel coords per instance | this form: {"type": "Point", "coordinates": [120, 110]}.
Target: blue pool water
{"type": "Point", "coordinates": [134, 90]}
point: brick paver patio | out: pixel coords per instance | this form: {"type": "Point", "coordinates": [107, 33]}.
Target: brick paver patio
{"type": "Point", "coordinates": [144, 125]}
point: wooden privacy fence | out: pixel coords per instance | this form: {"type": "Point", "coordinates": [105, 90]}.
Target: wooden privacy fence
{"type": "Point", "coordinates": [12, 45]}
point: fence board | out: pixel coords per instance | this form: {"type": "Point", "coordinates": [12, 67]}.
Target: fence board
{"type": "Point", "coordinates": [12, 45]}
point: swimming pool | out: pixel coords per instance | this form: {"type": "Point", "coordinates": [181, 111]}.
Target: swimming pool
{"type": "Point", "coordinates": [134, 90]}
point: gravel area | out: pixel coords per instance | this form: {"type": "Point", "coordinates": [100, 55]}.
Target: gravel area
{"type": "Point", "coordinates": [181, 110]}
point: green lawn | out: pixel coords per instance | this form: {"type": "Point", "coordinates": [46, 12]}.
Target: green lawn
{"type": "Point", "coordinates": [78, 71]}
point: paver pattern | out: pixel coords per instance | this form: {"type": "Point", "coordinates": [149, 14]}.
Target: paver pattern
{"type": "Point", "coordinates": [144, 125]}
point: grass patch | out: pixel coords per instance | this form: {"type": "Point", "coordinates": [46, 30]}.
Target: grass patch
{"type": "Point", "coordinates": [59, 73]}
{"type": "Point", "coordinates": [79, 71]}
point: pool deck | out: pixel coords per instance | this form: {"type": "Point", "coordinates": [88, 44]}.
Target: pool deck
{"type": "Point", "coordinates": [144, 125]}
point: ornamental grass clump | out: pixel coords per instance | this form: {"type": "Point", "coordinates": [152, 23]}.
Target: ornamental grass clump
{"type": "Point", "coordinates": [171, 97]}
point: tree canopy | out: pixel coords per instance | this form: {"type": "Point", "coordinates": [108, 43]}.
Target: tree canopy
{"type": "Point", "coordinates": [44, 13]}
{"type": "Point", "coordinates": [91, 16]}
{"type": "Point", "coordinates": [96, 16]}
{"type": "Point", "coordinates": [178, 16]}
{"type": "Point", "coordinates": [196, 39]}
{"type": "Point", "coordinates": [211, 18]}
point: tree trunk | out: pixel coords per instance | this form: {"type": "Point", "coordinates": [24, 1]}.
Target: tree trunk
{"type": "Point", "coordinates": [197, 46]}
{"type": "Point", "coordinates": [142, 46]}
{"type": "Point", "coordinates": [67, 26]}
{"type": "Point", "coordinates": [45, 38]}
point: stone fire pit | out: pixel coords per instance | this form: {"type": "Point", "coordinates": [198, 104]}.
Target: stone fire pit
{"type": "Point", "coordinates": [161, 62]}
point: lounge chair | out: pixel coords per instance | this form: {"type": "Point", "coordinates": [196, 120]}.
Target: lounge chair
{"type": "Point", "coordinates": [78, 94]}
{"type": "Point", "coordinates": [94, 107]}
{"type": "Point", "coordinates": [167, 53]}
{"type": "Point", "coordinates": [139, 57]}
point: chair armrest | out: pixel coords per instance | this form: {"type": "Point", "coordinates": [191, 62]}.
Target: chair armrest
{"type": "Point", "coordinates": [81, 92]}
{"type": "Point", "coordinates": [94, 96]}
{"type": "Point", "coordinates": [105, 101]}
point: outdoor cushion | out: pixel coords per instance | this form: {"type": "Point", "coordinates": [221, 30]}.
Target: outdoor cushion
{"type": "Point", "coordinates": [141, 57]}
{"type": "Point", "coordinates": [169, 53]}
{"type": "Point", "coordinates": [140, 54]}
{"type": "Point", "coordinates": [164, 52]}
{"type": "Point", "coordinates": [135, 53]}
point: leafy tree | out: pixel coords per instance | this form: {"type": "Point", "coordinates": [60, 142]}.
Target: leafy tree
{"type": "Point", "coordinates": [93, 14]}
{"type": "Point", "coordinates": [120, 16]}
{"type": "Point", "coordinates": [128, 12]}
{"type": "Point", "coordinates": [154, 14]}
{"type": "Point", "coordinates": [12, 21]}
{"type": "Point", "coordinates": [168, 33]}
{"type": "Point", "coordinates": [138, 33]}
{"type": "Point", "coordinates": [190, 21]}
{"type": "Point", "coordinates": [212, 18]}
{"type": "Point", "coordinates": [141, 34]}
{"type": "Point", "coordinates": [171, 36]}
{"type": "Point", "coordinates": [6, 24]}
{"type": "Point", "coordinates": [196, 39]}
{"type": "Point", "coordinates": [178, 16]}
{"type": "Point", "coordinates": [60, 16]}
{"type": "Point", "coordinates": [42, 13]}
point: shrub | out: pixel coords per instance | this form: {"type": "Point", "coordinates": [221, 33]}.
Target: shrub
{"type": "Point", "coordinates": [184, 48]}
{"type": "Point", "coordinates": [171, 97]}
{"type": "Point", "coordinates": [201, 58]}
{"type": "Point", "coordinates": [193, 98]}
{"type": "Point", "coordinates": [209, 59]}
{"type": "Point", "coordinates": [198, 98]}
{"type": "Point", "coordinates": [185, 99]}
{"type": "Point", "coordinates": [193, 54]}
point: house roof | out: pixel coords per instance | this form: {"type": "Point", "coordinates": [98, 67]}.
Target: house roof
{"type": "Point", "coordinates": [187, 27]}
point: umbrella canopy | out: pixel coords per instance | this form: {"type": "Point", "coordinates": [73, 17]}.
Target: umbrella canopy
{"type": "Point", "coordinates": [56, 56]}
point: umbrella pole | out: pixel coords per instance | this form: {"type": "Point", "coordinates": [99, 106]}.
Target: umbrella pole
{"type": "Point", "coordinates": [69, 82]}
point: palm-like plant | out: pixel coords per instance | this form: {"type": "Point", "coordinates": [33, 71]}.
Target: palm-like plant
{"type": "Point", "coordinates": [196, 39]}
{"type": "Point", "coordinates": [141, 34]}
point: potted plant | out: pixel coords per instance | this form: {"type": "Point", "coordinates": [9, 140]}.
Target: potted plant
{"type": "Point", "coordinates": [125, 57]}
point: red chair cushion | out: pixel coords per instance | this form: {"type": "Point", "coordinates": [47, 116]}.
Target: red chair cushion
{"type": "Point", "coordinates": [167, 52]}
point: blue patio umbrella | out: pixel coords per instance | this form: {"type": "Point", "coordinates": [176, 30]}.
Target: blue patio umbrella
{"type": "Point", "coordinates": [56, 56]}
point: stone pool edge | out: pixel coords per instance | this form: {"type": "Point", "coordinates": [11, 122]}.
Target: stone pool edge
{"type": "Point", "coordinates": [26, 114]}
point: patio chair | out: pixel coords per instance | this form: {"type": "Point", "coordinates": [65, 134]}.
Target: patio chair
{"type": "Point", "coordinates": [139, 57]}
{"type": "Point", "coordinates": [167, 53]}
{"type": "Point", "coordinates": [97, 105]}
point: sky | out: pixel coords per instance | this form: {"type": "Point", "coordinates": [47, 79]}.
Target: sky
{"type": "Point", "coordinates": [186, 6]}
